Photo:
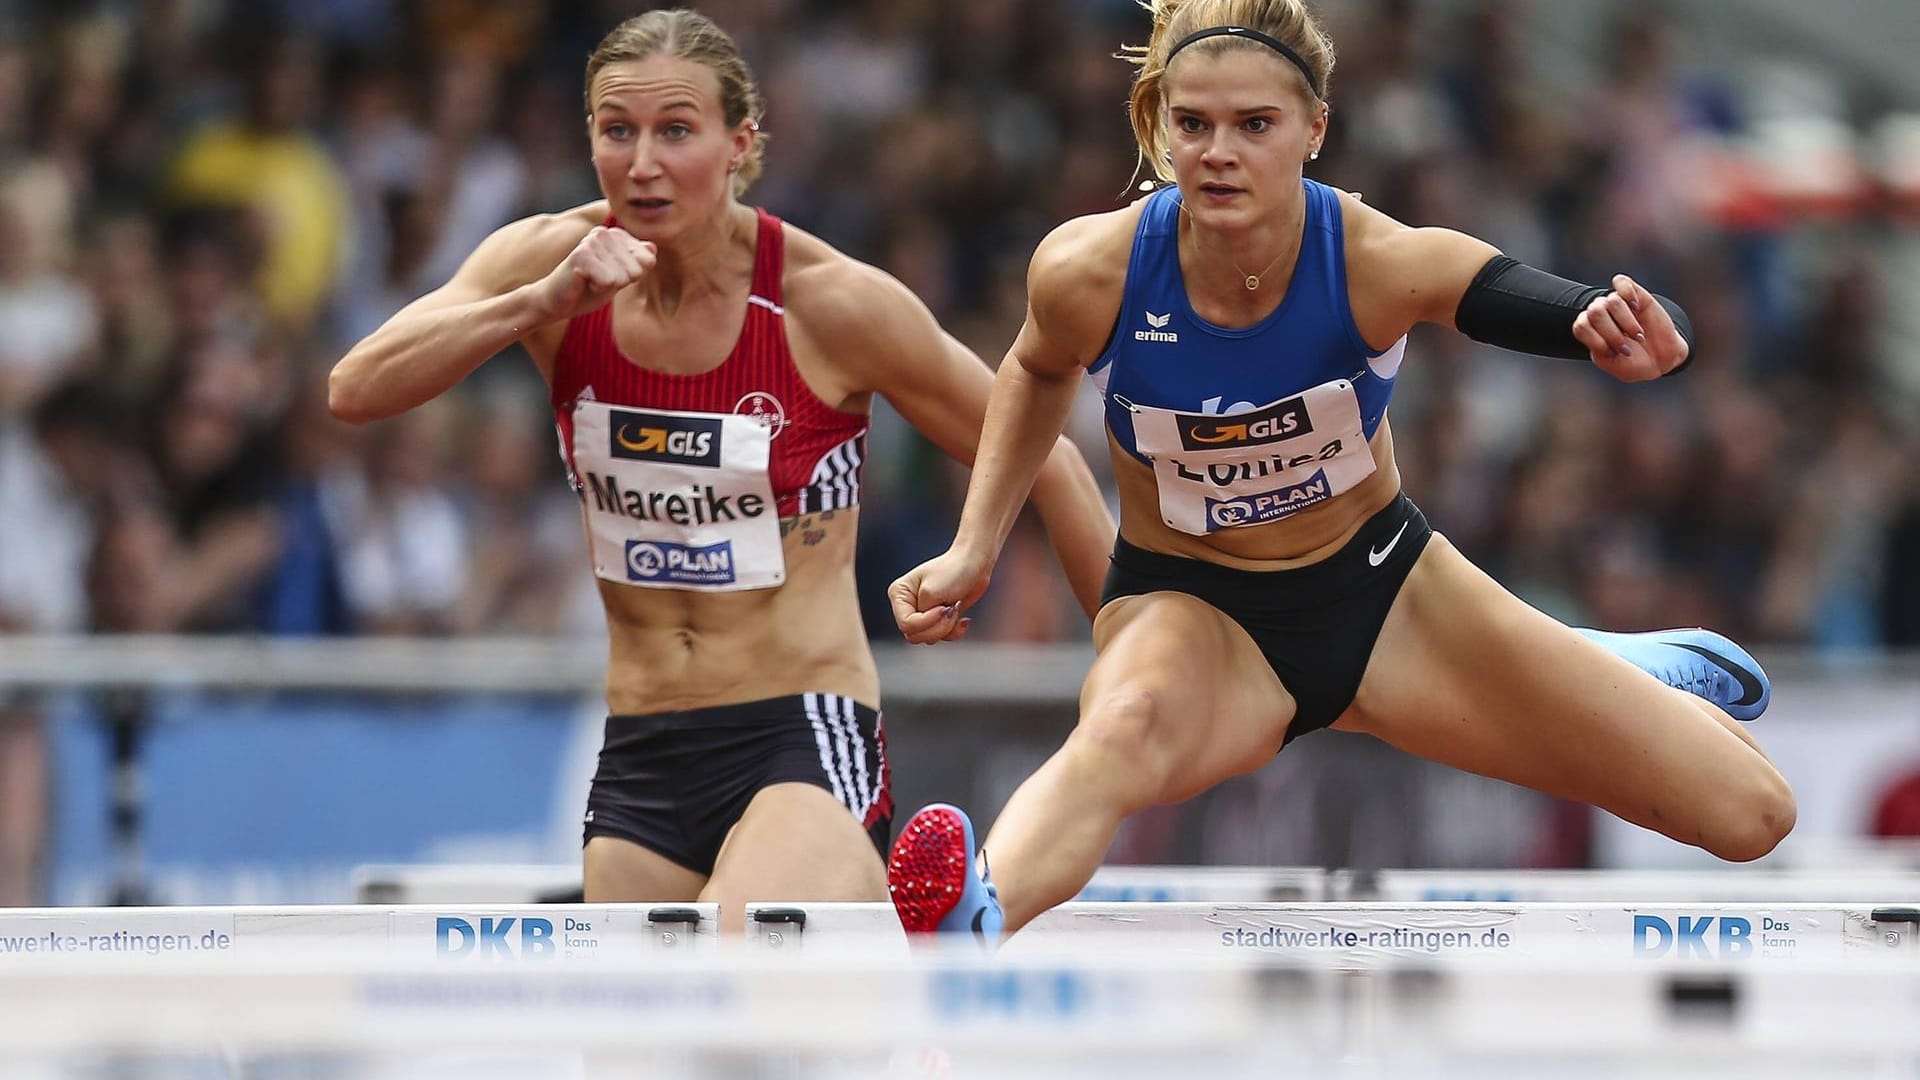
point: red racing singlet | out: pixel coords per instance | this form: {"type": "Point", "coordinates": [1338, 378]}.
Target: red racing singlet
{"type": "Point", "coordinates": [683, 477]}
{"type": "Point", "coordinates": [817, 450]}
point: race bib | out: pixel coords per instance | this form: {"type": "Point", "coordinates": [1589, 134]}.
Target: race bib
{"type": "Point", "coordinates": [1217, 471]}
{"type": "Point", "coordinates": [677, 500]}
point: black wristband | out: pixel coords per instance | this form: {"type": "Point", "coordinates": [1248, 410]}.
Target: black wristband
{"type": "Point", "coordinates": [1514, 306]}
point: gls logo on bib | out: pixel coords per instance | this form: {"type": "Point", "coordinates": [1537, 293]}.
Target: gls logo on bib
{"type": "Point", "coordinates": [1281, 420]}
{"type": "Point", "coordinates": [678, 440]}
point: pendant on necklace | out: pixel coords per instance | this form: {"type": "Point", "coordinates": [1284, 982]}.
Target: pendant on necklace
{"type": "Point", "coordinates": [1252, 283]}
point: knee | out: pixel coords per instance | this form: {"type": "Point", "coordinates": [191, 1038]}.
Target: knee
{"type": "Point", "coordinates": [1755, 821]}
{"type": "Point", "coordinates": [1119, 732]}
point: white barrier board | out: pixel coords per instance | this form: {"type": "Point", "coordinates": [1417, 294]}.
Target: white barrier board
{"type": "Point", "coordinates": [451, 933]}
{"type": "Point", "coordinates": [1239, 986]}
{"type": "Point", "coordinates": [1354, 931]}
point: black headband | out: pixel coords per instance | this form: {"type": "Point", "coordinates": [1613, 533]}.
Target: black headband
{"type": "Point", "coordinates": [1313, 83]}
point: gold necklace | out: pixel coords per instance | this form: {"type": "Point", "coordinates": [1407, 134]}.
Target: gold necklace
{"type": "Point", "coordinates": [1252, 280]}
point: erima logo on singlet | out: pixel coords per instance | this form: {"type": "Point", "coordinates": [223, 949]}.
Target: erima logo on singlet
{"type": "Point", "coordinates": [680, 440]}
{"type": "Point", "coordinates": [1281, 420]}
{"type": "Point", "coordinates": [1158, 333]}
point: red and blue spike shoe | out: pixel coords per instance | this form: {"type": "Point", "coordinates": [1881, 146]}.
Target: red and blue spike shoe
{"type": "Point", "coordinates": [936, 881]}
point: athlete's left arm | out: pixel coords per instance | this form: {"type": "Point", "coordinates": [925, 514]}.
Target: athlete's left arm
{"type": "Point", "coordinates": [1398, 276]}
{"type": "Point", "coordinates": [886, 341]}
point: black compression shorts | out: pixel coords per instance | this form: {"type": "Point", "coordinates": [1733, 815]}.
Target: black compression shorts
{"type": "Point", "coordinates": [1315, 624]}
{"type": "Point", "coordinates": [676, 782]}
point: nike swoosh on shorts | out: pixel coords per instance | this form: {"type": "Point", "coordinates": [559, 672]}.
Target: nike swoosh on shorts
{"type": "Point", "coordinates": [1375, 558]}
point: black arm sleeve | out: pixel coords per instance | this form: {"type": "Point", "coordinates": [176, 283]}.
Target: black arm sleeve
{"type": "Point", "coordinates": [1514, 306]}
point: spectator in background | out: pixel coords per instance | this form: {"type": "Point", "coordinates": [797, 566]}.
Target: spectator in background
{"type": "Point", "coordinates": [215, 472]}
{"type": "Point", "coordinates": [470, 180]}
{"type": "Point", "coordinates": [1900, 554]}
{"type": "Point", "coordinates": [53, 470]}
{"type": "Point", "coordinates": [523, 539]}
{"type": "Point", "coordinates": [982, 124]}
{"type": "Point", "coordinates": [48, 323]}
{"type": "Point", "coordinates": [266, 163]}
{"type": "Point", "coordinates": [404, 545]}
{"type": "Point", "coordinates": [16, 87]}
{"type": "Point", "coordinates": [423, 193]}
{"type": "Point", "coordinates": [124, 274]}
{"type": "Point", "coordinates": [305, 591]}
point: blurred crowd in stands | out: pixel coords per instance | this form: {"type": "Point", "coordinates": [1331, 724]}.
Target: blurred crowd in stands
{"type": "Point", "coordinates": [202, 204]}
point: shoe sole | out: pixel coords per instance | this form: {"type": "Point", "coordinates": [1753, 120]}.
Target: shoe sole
{"type": "Point", "coordinates": [927, 869]}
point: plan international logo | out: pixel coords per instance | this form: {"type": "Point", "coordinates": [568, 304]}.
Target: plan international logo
{"type": "Point", "coordinates": [1159, 331]}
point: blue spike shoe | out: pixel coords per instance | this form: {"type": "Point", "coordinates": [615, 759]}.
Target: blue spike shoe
{"type": "Point", "coordinates": [936, 881]}
{"type": "Point", "coordinates": [1701, 662]}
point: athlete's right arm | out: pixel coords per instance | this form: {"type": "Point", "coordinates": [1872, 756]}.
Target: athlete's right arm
{"type": "Point", "coordinates": [1033, 394]}
{"type": "Point", "coordinates": [528, 274]}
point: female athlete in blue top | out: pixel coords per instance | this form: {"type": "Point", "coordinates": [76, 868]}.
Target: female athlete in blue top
{"type": "Point", "coordinates": [1245, 326]}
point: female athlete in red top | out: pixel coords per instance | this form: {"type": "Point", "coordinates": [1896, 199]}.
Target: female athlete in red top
{"type": "Point", "coordinates": [711, 371]}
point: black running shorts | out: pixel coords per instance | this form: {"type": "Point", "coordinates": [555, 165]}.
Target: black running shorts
{"type": "Point", "coordinates": [676, 782]}
{"type": "Point", "coordinates": [1315, 624]}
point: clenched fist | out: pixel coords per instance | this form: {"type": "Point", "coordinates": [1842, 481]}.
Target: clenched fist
{"type": "Point", "coordinates": [929, 599]}
{"type": "Point", "coordinates": [605, 261]}
{"type": "Point", "coordinates": [1629, 334]}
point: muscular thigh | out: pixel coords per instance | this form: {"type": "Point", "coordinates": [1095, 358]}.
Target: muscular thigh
{"type": "Point", "coordinates": [1216, 707]}
{"type": "Point", "coordinates": [795, 842]}
{"type": "Point", "coordinates": [622, 872]}
{"type": "Point", "coordinates": [1468, 675]}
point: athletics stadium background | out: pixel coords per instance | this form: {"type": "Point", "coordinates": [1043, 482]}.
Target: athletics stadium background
{"type": "Point", "coordinates": [202, 204]}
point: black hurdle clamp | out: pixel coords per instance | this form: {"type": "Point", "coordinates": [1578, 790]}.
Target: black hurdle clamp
{"type": "Point", "coordinates": [662, 917]}
{"type": "Point", "coordinates": [789, 915]}
{"type": "Point", "coordinates": [776, 919]}
{"type": "Point", "coordinates": [1896, 916]}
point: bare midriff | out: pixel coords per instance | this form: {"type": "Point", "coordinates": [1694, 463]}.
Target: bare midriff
{"type": "Point", "coordinates": [674, 649]}
{"type": "Point", "coordinates": [1298, 540]}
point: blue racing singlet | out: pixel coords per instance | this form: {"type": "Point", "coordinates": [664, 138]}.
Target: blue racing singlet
{"type": "Point", "coordinates": [1243, 426]}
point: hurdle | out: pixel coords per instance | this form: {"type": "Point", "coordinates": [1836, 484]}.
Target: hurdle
{"type": "Point", "coordinates": [1072, 999]}
{"type": "Point", "coordinates": [480, 933]}
{"type": "Point", "coordinates": [1362, 932]}
{"type": "Point", "coordinates": [1340, 932]}
{"type": "Point", "coordinates": [1109, 989]}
